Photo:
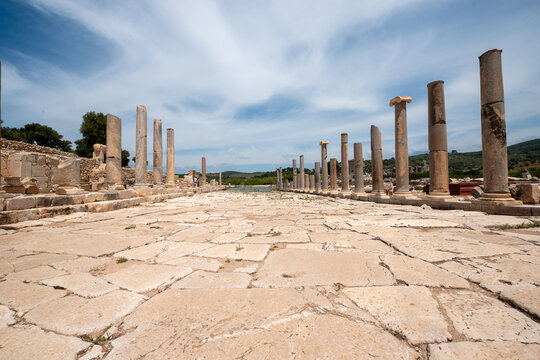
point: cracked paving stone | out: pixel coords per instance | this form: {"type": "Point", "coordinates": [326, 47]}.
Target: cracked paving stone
{"type": "Point", "coordinates": [179, 249]}
{"type": "Point", "coordinates": [196, 263]}
{"type": "Point", "coordinates": [23, 297]}
{"type": "Point", "coordinates": [408, 310]}
{"type": "Point", "coordinates": [35, 274]}
{"type": "Point", "coordinates": [251, 252]}
{"type": "Point", "coordinates": [484, 351]}
{"type": "Point", "coordinates": [81, 264]}
{"type": "Point", "coordinates": [82, 284]}
{"type": "Point", "coordinates": [6, 317]}
{"type": "Point", "coordinates": [145, 252]}
{"type": "Point", "coordinates": [211, 280]}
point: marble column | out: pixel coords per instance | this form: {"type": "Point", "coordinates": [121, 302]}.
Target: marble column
{"type": "Point", "coordinates": [333, 176]}
{"type": "Point", "coordinates": [345, 190]}
{"type": "Point", "coordinates": [203, 171]}
{"type": "Point", "coordinates": [377, 174]}
{"type": "Point", "coordinates": [170, 158]}
{"type": "Point", "coordinates": [158, 153]}
{"type": "Point", "coordinates": [295, 172]}
{"type": "Point", "coordinates": [140, 146]}
{"type": "Point", "coordinates": [438, 147]}
{"type": "Point", "coordinates": [358, 170]}
{"type": "Point", "coordinates": [306, 183]}
{"type": "Point", "coordinates": [317, 177]}
{"type": "Point", "coordinates": [324, 185]}
{"type": "Point", "coordinates": [114, 152]}
{"type": "Point", "coordinates": [402, 151]}
{"type": "Point", "coordinates": [494, 153]}
{"type": "Point", "coordinates": [312, 183]}
{"type": "Point", "coordinates": [302, 178]}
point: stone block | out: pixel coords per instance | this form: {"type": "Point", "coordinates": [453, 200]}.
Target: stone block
{"type": "Point", "coordinates": [38, 171]}
{"type": "Point", "coordinates": [529, 193]}
{"type": "Point", "coordinates": [126, 194]}
{"type": "Point", "coordinates": [61, 200]}
{"type": "Point", "coordinates": [110, 195]}
{"type": "Point", "coordinates": [44, 200]}
{"type": "Point", "coordinates": [21, 203]}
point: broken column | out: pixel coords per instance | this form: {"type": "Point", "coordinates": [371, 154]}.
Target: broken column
{"type": "Point", "coordinates": [158, 153]}
{"type": "Point", "coordinates": [344, 165]}
{"type": "Point", "coordinates": [317, 177]}
{"type": "Point", "coordinates": [69, 177]}
{"type": "Point", "coordinates": [114, 152]}
{"type": "Point", "coordinates": [494, 155]}
{"type": "Point", "coordinates": [203, 171]}
{"type": "Point", "coordinates": [324, 185]}
{"type": "Point", "coordinates": [302, 179]}
{"type": "Point", "coordinates": [358, 170]}
{"type": "Point", "coordinates": [170, 158]}
{"type": "Point", "coordinates": [402, 151]}
{"type": "Point", "coordinates": [306, 183]}
{"type": "Point", "coordinates": [311, 183]}
{"type": "Point", "coordinates": [377, 174]}
{"type": "Point", "coordinates": [333, 176]}
{"type": "Point", "coordinates": [140, 146]}
{"type": "Point", "coordinates": [438, 147]}
{"type": "Point", "coordinates": [295, 177]}
{"type": "Point", "coordinates": [99, 153]}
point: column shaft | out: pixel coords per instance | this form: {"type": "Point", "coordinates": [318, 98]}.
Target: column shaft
{"type": "Point", "coordinates": [203, 171]}
{"type": "Point", "coordinates": [344, 163]}
{"type": "Point", "coordinates": [114, 151]}
{"type": "Point", "coordinates": [170, 157]}
{"type": "Point", "coordinates": [358, 169]}
{"type": "Point", "coordinates": [438, 147]}
{"type": "Point", "coordinates": [158, 153]}
{"type": "Point", "coordinates": [140, 146]}
{"type": "Point", "coordinates": [376, 162]}
{"type": "Point", "coordinates": [324, 165]}
{"type": "Point", "coordinates": [402, 152]}
{"type": "Point", "coordinates": [317, 176]}
{"type": "Point", "coordinates": [302, 178]}
{"type": "Point", "coordinates": [295, 185]}
{"type": "Point", "coordinates": [333, 175]}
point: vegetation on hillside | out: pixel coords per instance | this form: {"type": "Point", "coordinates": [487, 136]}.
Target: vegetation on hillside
{"type": "Point", "coordinates": [37, 134]}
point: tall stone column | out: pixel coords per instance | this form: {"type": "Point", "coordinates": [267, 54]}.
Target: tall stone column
{"type": "Point", "coordinates": [302, 178]}
{"type": "Point", "coordinates": [203, 171]}
{"type": "Point", "coordinates": [306, 183]}
{"type": "Point", "coordinates": [158, 153]}
{"type": "Point", "coordinates": [333, 176]}
{"type": "Point", "coordinates": [358, 170]}
{"type": "Point", "coordinates": [402, 151]}
{"type": "Point", "coordinates": [294, 171]}
{"type": "Point", "coordinates": [170, 158]}
{"type": "Point", "coordinates": [324, 165]}
{"type": "Point", "coordinates": [377, 174]}
{"type": "Point", "coordinates": [317, 177]}
{"type": "Point", "coordinates": [114, 152]}
{"type": "Point", "coordinates": [140, 146]}
{"type": "Point", "coordinates": [494, 153]}
{"type": "Point", "coordinates": [438, 147]}
{"type": "Point", "coordinates": [220, 179]}
{"type": "Point", "coordinates": [277, 178]}
{"type": "Point", "coordinates": [345, 190]}
{"type": "Point", "coordinates": [312, 183]}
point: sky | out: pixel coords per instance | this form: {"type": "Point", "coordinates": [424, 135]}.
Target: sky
{"type": "Point", "coordinates": [251, 85]}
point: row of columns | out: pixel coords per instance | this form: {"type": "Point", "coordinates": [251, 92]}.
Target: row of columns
{"type": "Point", "coordinates": [494, 152]}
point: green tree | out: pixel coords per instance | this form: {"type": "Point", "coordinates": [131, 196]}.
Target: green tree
{"type": "Point", "coordinates": [37, 134]}
{"type": "Point", "coordinates": [93, 130]}
{"type": "Point", "coordinates": [125, 158]}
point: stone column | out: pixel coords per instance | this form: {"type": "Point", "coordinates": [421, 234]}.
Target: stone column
{"type": "Point", "coordinates": [344, 165]}
{"type": "Point", "coordinates": [220, 179]}
{"type": "Point", "coordinates": [317, 177]}
{"type": "Point", "coordinates": [294, 171]}
{"type": "Point", "coordinates": [140, 146]}
{"type": "Point", "coordinates": [312, 183]}
{"type": "Point", "coordinates": [277, 178]}
{"type": "Point", "coordinates": [158, 153]}
{"type": "Point", "coordinates": [306, 183]}
{"type": "Point", "coordinates": [170, 158]}
{"type": "Point", "coordinates": [114, 152]}
{"type": "Point", "coordinates": [438, 147]}
{"type": "Point", "coordinates": [302, 178]}
{"type": "Point", "coordinates": [203, 171]}
{"type": "Point", "coordinates": [333, 176]}
{"type": "Point", "coordinates": [402, 151]}
{"type": "Point", "coordinates": [358, 170]}
{"type": "Point", "coordinates": [324, 165]}
{"type": "Point", "coordinates": [69, 177]}
{"type": "Point", "coordinates": [377, 174]}
{"type": "Point", "coordinates": [494, 155]}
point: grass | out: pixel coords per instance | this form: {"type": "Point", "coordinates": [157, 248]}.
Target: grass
{"type": "Point", "coordinates": [97, 340]}
{"type": "Point", "coordinates": [68, 212]}
{"type": "Point", "coordinates": [121, 260]}
{"type": "Point", "coordinates": [130, 227]}
{"type": "Point", "coordinates": [526, 225]}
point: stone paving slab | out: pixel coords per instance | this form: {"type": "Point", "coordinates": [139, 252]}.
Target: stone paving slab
{"type": "Point", "coordinates": [82, 284]}
{"type": "Point", "coordinates": [22, 297]}
{"type": "Point", "coordinates": [482, 350]}
{"type": "Point", "coordinates": [211, 280]}
{"type": "Point", "coordinates": [144, 277]}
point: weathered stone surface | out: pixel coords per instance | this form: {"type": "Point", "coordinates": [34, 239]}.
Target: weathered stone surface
{"type": "Point", "coordinates": [196, 263]}
{"type": "Point", "coordinates": [480, 317]}
{"type": "Point", "coordinates": [178, 250]}
{"type": "Point", "coordinates": [418, 272]}
{"type": "Point", "coordinates": [228, 238]}
{"type": "Point", "coordinates": [253, 252]}
{"type": "Point", "coordinates": [466, 350]}
{"type": "Point", "coordinates": [81, 264]}
{"type": "Point", "coordinates": [6, 316]}
{"type": "Point", "coordinates": [35, 274]}
{"type": "Point", "coordinates": [145, 252]}
{"type": "Point", "coordinates": [143, 277]}
{"type": "Point", "coordinates": [296, 267]}
{"type": "Point", "coordinates": [23, 297]}
{"type": "Point", "coordinates": [409, 310]}
{"type": "Point", "coordinates": [33, 343]}
{"type": "Point", "coordinates": [86, 315]}
{"type": "Point", "coordinates": [211, 280]}
{"type": "Point", "coordinates": [82, 284]}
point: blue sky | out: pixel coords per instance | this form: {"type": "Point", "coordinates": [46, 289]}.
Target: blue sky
{"type": "Point", "coordinates": [251, 85]}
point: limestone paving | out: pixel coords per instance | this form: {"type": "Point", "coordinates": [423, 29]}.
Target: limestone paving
{"type": "Point", "coordinates": [228, 275]}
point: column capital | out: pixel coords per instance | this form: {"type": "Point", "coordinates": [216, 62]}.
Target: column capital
{"type": "Point", "coordinates": [323, 143]}
{"type": "Point", "coordinates": [400, 99]}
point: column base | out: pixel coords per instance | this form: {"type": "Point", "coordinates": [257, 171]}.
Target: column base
{"type": "Point", "coordinates": [404, 194]}
{"type": "Point", "coordinates": [357, 194]}
{"type": "Point", "coordinates": [334, 193]}
{"type": "Point", "coordinates": [170, 185]}
{"type": "Point", "coordinates": [498, 198]}
{"type": "Point", "coordinates": [378, 195]}
{"type": "Point", "coordinates": [344, 194]}
{"type": "Point", "coordinates": [440, 196]}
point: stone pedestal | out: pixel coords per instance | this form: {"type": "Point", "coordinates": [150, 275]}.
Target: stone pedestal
{"type": "Point", "coordinates": [302, 178]}
{"type": "Point", "coordinates": [438, 147]}
{"type": "Point", "coordinates": [69, 177]}
{"type": "Point", "coordinates": [295, 178]}
{"type": "Point", "coordinates": [494, 153]}
{"type": "Point", "coordinates": [203, 171]}
{"type": "Point", "coordinates": [317, 177]}
{"type": "Point", "coordinates": [358, 171]}
{"type": "Point", "coordinates": [324, 165]}
{"type": "Point", "coordinates": [158, 153]}
{"type": "Point", "coordinates": [170, 158]}
{"type": "Point", "coordinates": [345, 190]}
{"type": "Point", "coordinates": [114, 153]}
{"type": "Point", "coordinates": [377, 174]}
{"type": "Point", "coordinates": [333, 177]}
{"type": "Point", "coordinates": [140, 147]}
{"type": "Point", "coordinates": [402, 151]}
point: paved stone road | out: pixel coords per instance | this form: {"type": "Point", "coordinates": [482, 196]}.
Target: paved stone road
{"type": "Point", "coordinates": [270, 276]}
